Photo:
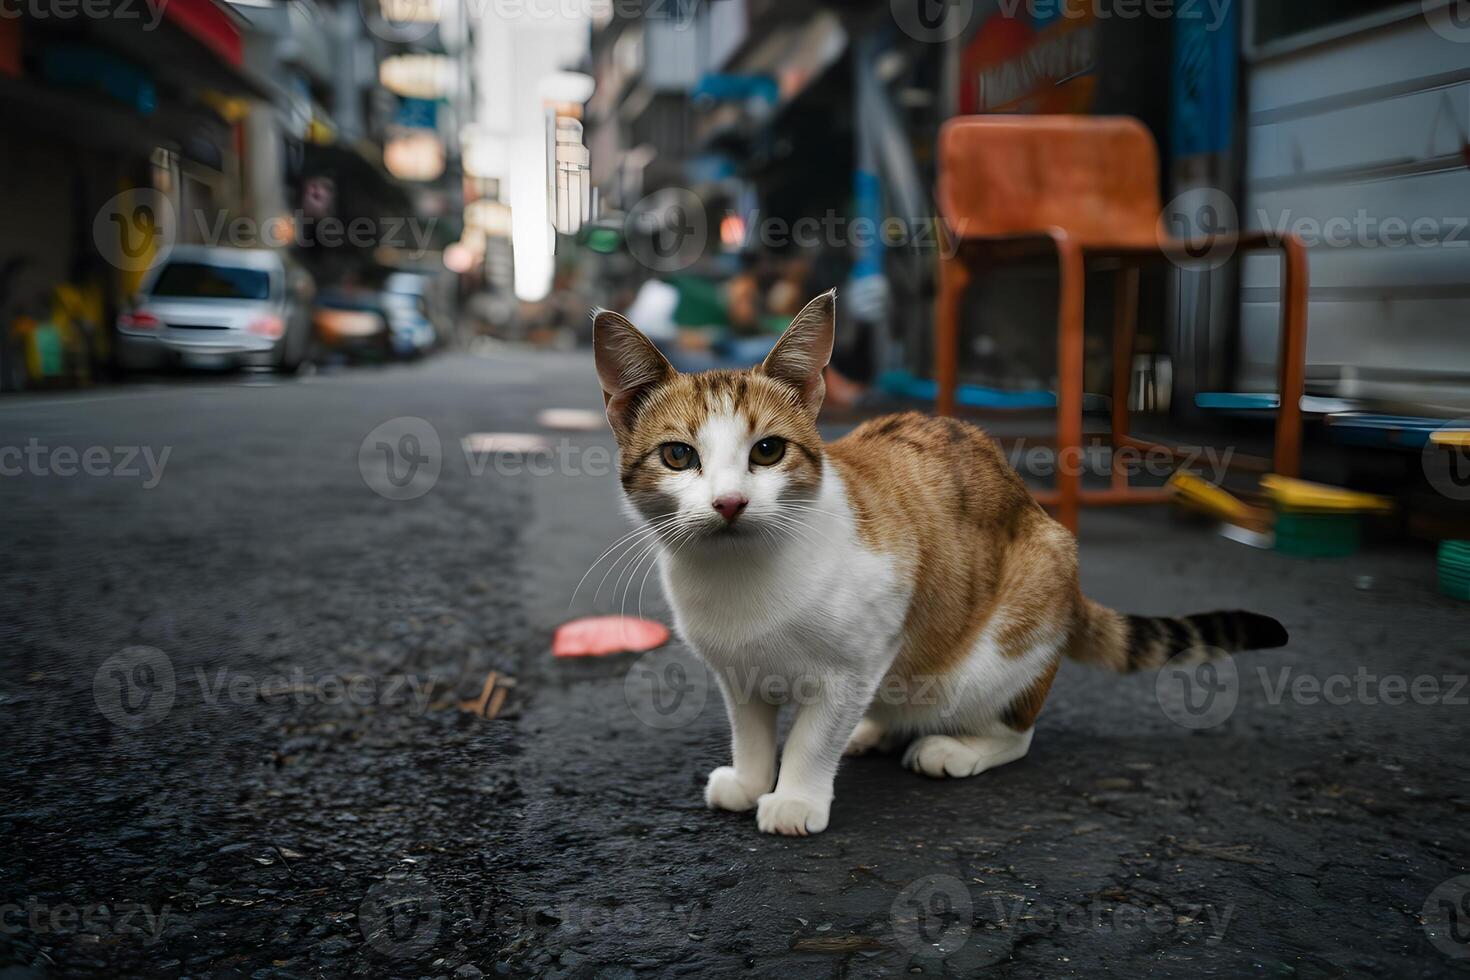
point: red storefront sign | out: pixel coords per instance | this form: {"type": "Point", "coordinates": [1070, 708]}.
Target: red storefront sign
{"type": "Point", "coordinates": [1032, 64]}
{"type": "Point", "coordinates": [210, 24]}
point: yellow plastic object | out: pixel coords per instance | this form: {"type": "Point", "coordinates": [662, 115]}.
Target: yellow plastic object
{"type": "Point", "coordinates": [230, 109]}
{"type": "Point", "coordinates": [1451, 437]}
{"type": "Point", "coordinates": [1293, 494]}
{"type": "Point", "coordinates": [1199, 494]}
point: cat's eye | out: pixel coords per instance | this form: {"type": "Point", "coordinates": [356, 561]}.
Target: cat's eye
{"type": "Point", "coordinates": [678, 456]}
{"type": "Point", "coordinates": [768, 451]}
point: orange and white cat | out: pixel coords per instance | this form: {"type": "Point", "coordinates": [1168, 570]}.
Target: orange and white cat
{"type": "Point", "coordinates": [899, 585]}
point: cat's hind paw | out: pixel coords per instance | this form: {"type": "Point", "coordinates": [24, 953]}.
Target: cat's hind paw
{"type": "Point", "coordinates": [791, 816]}
{"type": "Point", "coordinates": [868, 736]}
{"type": "Point", "coordinates": [725, 791]}
{"type": "Point", "coordinates": [956, 757]}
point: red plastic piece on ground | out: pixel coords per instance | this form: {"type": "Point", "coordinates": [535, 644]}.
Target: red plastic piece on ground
{"type": "Point", "coordinates": [598, 636]}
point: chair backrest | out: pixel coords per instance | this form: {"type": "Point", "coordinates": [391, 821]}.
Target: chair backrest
{"type": "Point", "coordinates": [1095, 176]}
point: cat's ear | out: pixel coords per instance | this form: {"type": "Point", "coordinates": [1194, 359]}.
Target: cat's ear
{"type": "Point", "coordinates": [804, 350]}
{"type": "Point", "coordinates": [628, 365]}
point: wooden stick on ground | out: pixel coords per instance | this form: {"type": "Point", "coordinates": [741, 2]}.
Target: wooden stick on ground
{"type": "Point", "coordinates": [477, 706]}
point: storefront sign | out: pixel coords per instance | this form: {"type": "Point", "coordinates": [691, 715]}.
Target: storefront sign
{"type": "Point", "coordinates": [1042, 62]}
{"type": "Point", "coordinates": [417, 76]}
{"type": "Point", "coordinates": [418, 155]}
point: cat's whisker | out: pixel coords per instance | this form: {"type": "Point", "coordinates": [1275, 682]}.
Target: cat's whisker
{"type": "Point", "coordinates": [780, 535]}
{"type": "Point", "coordinates": [687, 536]}
{"type": "Point", "coordinates": [626, 551]}
{"type": "Point", "coordinates": [640, 529]}
{"type": "Point", "coordinates": [631, 569]}
{"type": "Point", "coordinates": [795, 531]}
{"type": "Point", "coordinates": [831, 518]}
{"type": "Point", "coordinates": [644, 584]}
{"type": "Point", "coordinates": [806, 505]}
{"type": "Point", "coordinates": [804, 526]}
{"type": "Point", "coordinates": [650, 553]}
{"type": "Point", "coordinates": [820, 526]}
{"type": "Point", "coordinates": [681, 530]}
{"type": "Point", "coordinates": [629, 549]}
{"type": "Point", "coordinates": [817, 535]}
{"type": "Point", "coordinates": [654, 552]}
{"type": "Point", "coordinates": [855, 518]}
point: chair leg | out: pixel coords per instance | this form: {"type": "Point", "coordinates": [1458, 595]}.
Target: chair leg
{"type": "Point", "coordinates": [1125, 325]}
{"type": "Point", "coordinates": [954, 279]}
{"type": "Point", "coordinates": [1069, 382]}
{"type": "Point", "coordinates": [1294, 292]}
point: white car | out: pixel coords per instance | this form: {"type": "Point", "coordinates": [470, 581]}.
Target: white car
{"type": "Point", "coordinates": [206, 306]}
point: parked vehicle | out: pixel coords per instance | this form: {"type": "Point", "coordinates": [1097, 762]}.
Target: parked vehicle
{"type": "Point", "coordinates": [405, 297]}
{"type": "Point", "coordinates": [212, 307]}
{"type": "Point", "coordinates": [353, 322]}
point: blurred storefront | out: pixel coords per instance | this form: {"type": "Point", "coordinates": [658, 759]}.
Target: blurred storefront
{"type": "Point", "coordinates": [805, 113]}
{"type": "Point", "coordinates": [363, 125]}
{"type": "Point", "coordinates": [1076, 58]}
{"type": "Point", "coordinates": [1358, 119]}
{"type": "Point", "coordinates": [133, 126]}
{"type": "Point", "coordinates": [1346, 123]}
{"type": "Point", "coordinates": [1268, 116]}
{"type": "Point", "coordinates": [744, 112]}
{"type": "Point", "coordinates": [139, 98]}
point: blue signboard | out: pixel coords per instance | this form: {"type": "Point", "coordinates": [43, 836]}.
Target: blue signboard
{"type": "Point", "coordinates": [417, 114]}
{"type": "Point", "coordinates": [1206, 56]}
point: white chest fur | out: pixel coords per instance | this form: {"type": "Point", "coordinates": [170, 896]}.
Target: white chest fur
{"type": "Point", "coordinates": [791, 601]}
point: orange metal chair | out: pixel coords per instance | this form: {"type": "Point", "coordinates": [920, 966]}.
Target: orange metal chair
{"type": "Point", "coordinates": [1081, 188]}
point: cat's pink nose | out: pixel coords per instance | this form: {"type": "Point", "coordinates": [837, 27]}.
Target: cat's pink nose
{"type": "Point", "coordinates": [730, 505]}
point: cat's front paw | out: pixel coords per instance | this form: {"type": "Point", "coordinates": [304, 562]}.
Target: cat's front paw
{"type": "Point", "coordinates": [725, 791]}
{"type": "Point", "coordinates": [792, 816]}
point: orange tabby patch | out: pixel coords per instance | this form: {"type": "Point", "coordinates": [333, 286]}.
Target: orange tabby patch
{"type": "Point", "coordinates": [938, 494]}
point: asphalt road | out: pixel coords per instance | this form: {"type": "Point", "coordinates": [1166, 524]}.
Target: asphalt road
{"type": "Point", "coordinates": [234, 744]}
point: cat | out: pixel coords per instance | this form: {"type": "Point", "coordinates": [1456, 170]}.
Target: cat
{"type": "Point", "coordinates": [900, 585]}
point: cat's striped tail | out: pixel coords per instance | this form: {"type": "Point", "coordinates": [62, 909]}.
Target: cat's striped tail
{"type": "Point", "coordinates": [1110, 640]}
